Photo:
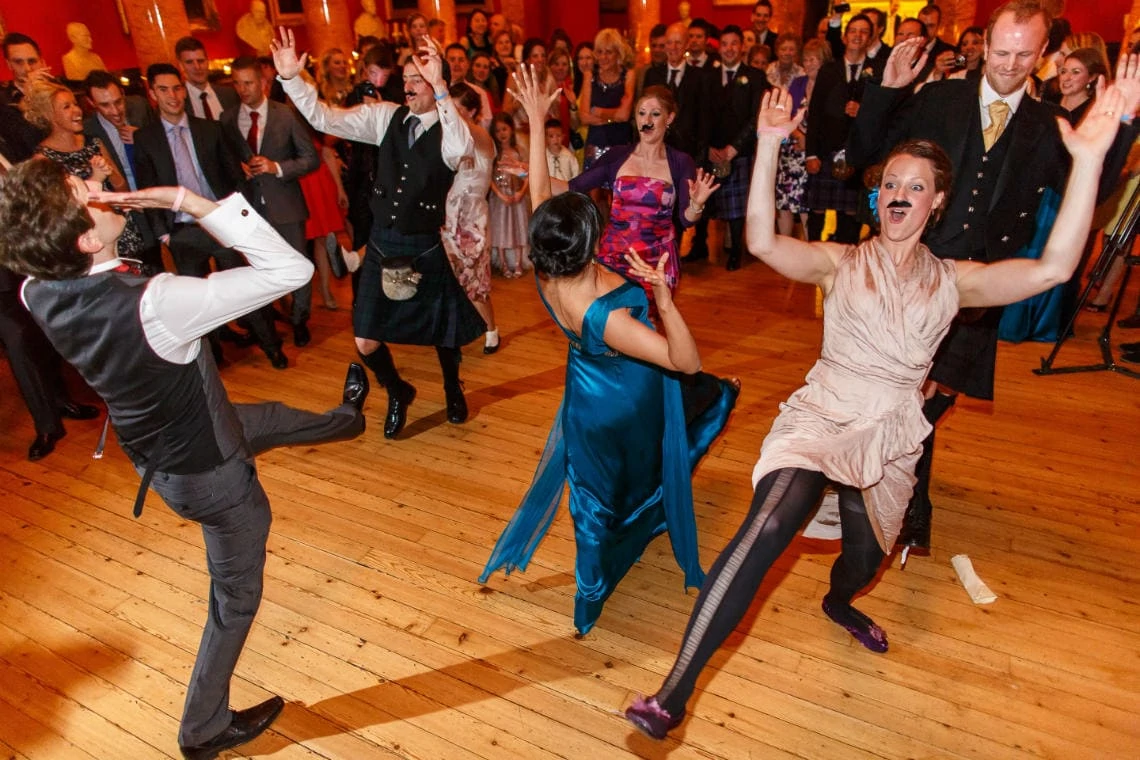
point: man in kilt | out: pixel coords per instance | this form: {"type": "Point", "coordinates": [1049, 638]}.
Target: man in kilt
{"type": "Point", "coordinates": [408, 292]}
{"type": "Point", "coordinates": [732, 141]}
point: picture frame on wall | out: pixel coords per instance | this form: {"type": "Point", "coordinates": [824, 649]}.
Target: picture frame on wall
{"type": "Point", "coordinates": [286, 12]}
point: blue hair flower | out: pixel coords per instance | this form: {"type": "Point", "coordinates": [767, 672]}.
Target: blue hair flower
{"type": "Point", "coordinates": [873, 202]}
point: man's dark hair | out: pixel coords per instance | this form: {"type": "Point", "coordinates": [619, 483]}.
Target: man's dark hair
{"type": "Point", "coordinates": [704, 26]}
{"type": "Point", "coordinates": [41, 223]}
{"type": "Point", "coordinates": [101, 80]}
{"type": "Point", "coordinates": [552, 124]}
{"type": "Point", "coordinates": [367, 41]}
{"type": "Point", "coordinates": [454, 46]}
{"type": "Point", "coordinates": [931, 8]}
{"type": "Point", "coordinates": [244, 63]}
{"type": "Point", "coordinates": [881, 24]}
{"type": "Point", "coordinates": [187, 45]}
{"type": "Point", "coordinates": [732, 29]}
{"type": "Point", "coordinates": [1059, 31]}
{"type": "Point", "coordinates": [762, 4]}
{"type": "Point", "coordinates": [658, 31]}
{"type": "Point", "coordinates": [15, 38]}
{"type": "Point", "coordinates": [158, 69]}
{"type": "Point", "coordinates": [860, 17]}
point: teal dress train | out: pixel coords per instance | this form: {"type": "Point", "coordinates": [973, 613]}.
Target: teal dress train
{"type": "Point", "coordinates": [619, 439]}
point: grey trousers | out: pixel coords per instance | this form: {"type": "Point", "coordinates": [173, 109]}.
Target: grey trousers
{"type": "Point", "coordinates": [294, 234]}
{"type": "Point", "coordinates": [233, 510]}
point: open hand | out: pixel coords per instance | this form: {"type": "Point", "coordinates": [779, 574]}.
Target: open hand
{"type": "Point", "coordinates": [776, 112]}
{"type": "Point", "coordinates": [1094, 135]}
{"type": "Point", "coordinates": [702, 187]}
{"type": "Point", "coordinates": [902, 68]}
{"type": "Point", "coordinates": [1127, 82]}
{"type": "Point", "coordinates": [285, 55]}
{"type": "Point", "coordinates": [429, 64]}
{"type": "Point", "coordinates": [528, 92]}
{"type": "Point", "coordinates": [654, 276]}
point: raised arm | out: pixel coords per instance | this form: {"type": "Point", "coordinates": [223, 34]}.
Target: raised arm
{"type": "Point", "coordinates": [805, 262]}
{"type": "Point", "coordinates": [675, 350]}
{"type": "Point", "coordinates": [1014, 279]}
{"type": "Point", "coordinates": [530, 96]}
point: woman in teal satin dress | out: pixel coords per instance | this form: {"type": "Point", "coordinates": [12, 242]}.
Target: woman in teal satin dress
{"type": "Point", "coordinates": [620, 438]}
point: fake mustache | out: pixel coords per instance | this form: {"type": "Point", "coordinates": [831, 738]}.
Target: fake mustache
{"type": "Point", "coordinates": [899, 204]}
{"type": "Point", "coordinates": [646, 127]}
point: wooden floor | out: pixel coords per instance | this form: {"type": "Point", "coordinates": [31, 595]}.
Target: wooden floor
{"type": "Point", "coordinates": [375, 631]}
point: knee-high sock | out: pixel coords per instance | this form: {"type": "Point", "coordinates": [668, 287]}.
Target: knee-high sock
{"type": "Point", "coordinates": [781, 502]}
{"type": "Point", "coordinates": [449, 364]}
{"type": "Point", "coordinates": [861, 555]}
{"type": "Point", "coordinates": [381, 364]}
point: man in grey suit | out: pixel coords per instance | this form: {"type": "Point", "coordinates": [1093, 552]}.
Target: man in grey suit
{"type": "Point", "coordinates": [203, 99]}
{"type": "Point", "coordinates": [116, 119]}
{"type": "Point", "coordinates": [275, 151]}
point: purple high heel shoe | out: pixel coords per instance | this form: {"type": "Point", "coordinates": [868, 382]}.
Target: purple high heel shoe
{"type": "Point", "coordinates": [652, 719]}
{"type": "Point", "coordinates": [865, 630]}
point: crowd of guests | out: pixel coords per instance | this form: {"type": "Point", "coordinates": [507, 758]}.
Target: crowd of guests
{"type": "Point", "coordinates": [417, 167]}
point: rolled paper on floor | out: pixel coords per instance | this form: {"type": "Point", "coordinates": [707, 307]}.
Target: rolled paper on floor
{"type": "Point", "coordinates": [974, 585]}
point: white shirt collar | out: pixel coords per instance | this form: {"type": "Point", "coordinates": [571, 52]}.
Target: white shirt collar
{"type": "Point", "coordinates": [105, 266]}
{"type": "Point", "coordinates": [183, 122]}
{"type": "Point", "coordinates": [262, 110]}
{"type": "Point", "coordinates": [989, 95]}
{"type": "Point", "coordinates": [427, 120]}
{"type": "Point", "coordinates": [197, 91]}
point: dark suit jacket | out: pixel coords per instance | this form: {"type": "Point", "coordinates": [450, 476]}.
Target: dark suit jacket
{"type": "Point", "coordinates": [690, 129]}
{"type": "Point", "coordinates": [154, 163]}
{"type": "Point", "coordinates": [944, 112]}
{"type": "Point", "coordinates": [139, 114]}
{"type": "Point", "coordinates": [284, 140]}
{"type": "Point", "coordinates": [839, 47]}
{"type": "Point", "coordinates": [227, 96]}
{"type": "Point", "coordinates": [736, 107]}
{"type": "Point", "coordinates": [768, 38]}
{"type": "Point", "coordinates": [830, 123]}
{"type": "Point", "coordinates": [939, 48]}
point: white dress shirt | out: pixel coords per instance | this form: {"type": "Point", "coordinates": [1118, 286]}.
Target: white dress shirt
{"type": "Point", "coordinates": [562, 165]}
{"type": "Point", "coordinates": [989, 95]}
{"type": "Point", "coordinates": [177, 311]}
{"type": "Point", "coordinates": [669, 69]}
{"type": "Point", "coordinates": [368, 122]}
{"type": "Point", "coordinates": [195, 96]}
{"type": "Point", "coordinates": [244, 121]}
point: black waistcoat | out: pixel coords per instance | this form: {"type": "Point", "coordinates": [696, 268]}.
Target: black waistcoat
{"type": "Point", "coordinates": [411, 183]}
{"type": "Point", "coordinates": [94, 323]}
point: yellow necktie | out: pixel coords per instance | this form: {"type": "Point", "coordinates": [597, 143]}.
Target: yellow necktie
{"type": "Point", "coordinates": [999, 114]}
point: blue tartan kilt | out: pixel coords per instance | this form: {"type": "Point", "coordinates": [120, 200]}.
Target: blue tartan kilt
{"type": "Point", "coordinates": [730, 201]}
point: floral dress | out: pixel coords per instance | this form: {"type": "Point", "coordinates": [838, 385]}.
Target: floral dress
{"type": "Point", "coordinates": [791, 171]}
{"type": "Point", "coordinates": [641, 218]}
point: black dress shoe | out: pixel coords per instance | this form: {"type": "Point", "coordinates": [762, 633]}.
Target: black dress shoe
{"type": "Point", "coordinates": [733, 262]}
{"type": "Point", "coordinates": [456, 406]}
{"type": "Point", "coordinates": [301, 336]}
{"type": "Point", "coordinates": [277, 358]}
{"type": "Point", "coordinates": [337, 265]}
{"type": "Point", "coordinates": [43, 445]}
{"type": "Point", "coordinates": [1131, 356]}
{"type": "Point", "coordinates": [74, 411]}
{"type": "Point", "coordinates": [698, 253]}
{"type": "Point", "coordinates": [399, 399]}
{"type": "Point", "coordinates": [1130, 347]}
{"type": "Point", "coordinates": [239, 339]}
{"type": "Point", "coordinates": [245, 726]}
{"type": "Point", "coordinates": [355, 386]}
{"type": "Point", "coordinates": [1129, 322]}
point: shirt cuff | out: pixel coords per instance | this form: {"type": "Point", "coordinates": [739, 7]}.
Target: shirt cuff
{"type": "Point", "coordinates": [230, 222]}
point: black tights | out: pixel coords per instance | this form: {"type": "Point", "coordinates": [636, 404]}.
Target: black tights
{"type": "Point", "coordinates": [381, 363]}
{"type": "Point", "coordinates": [782, 501]}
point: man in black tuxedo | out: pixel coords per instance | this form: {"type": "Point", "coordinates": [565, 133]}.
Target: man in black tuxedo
{"type": "Point", "coordinates": [203, 99]}
{"type": "Point", "coordinates": [761, 20]}
{"type": "Point", "coordinates": [876, 50]}
{"type": "Point", "coordinates": [1008, 156]}
{"type": "Point", "coordinates": [275, 150]}
{"type": "Point", "coordinates": [835, 101]}
{"type": "Point", "coordinates": [115, 120]}
{"type": "Point", "coordinates": [732, 138]}
{"type": "Point", "coordinates": [179, 149]}
{"type": "Point", "coordinates": [693, 89]}
{"type": "Point", "coordinates": [697, 43]}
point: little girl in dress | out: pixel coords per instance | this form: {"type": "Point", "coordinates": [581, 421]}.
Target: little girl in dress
{"type": "Point", "coordinates": [510, 213]}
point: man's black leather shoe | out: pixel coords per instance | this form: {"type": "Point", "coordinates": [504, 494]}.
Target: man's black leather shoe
{"type": "Point", "coordinates": [1129, 322]}
{"type": "Point", "coordinates": [456, 406]}
{"type": "Point", "coordinates": [1131, 356]}
{"type": "Point", "coordinates": [1129, 348]}
{"type": "Point", "coordinates": [301, 335]}
{"type": "Point", "coordinates": [399, 399]}
{"type": "Point", "coordinates": [245, 726]}
{"type": "Point", "coordinates": [43, 445]}
{"type": "Point", "coordinates": [277, 358]}
{"type": "Point", "coordinates": [355, 386]}
{"type": "Point", "coordinates": [74, 411]}
{"type": "Point", "coordinates": [239, 339]}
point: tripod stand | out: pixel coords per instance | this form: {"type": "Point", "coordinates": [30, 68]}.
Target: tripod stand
{"type": "Point", "coordinates": [1117, 247]}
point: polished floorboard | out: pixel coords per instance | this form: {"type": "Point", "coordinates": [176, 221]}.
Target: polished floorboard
{"type": "Point", "coordinates": [375, 631]}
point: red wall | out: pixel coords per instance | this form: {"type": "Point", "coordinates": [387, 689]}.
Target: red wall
{"type": "Point", "coordinates": [578, 17]}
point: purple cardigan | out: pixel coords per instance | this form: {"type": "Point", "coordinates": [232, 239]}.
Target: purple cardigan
{"type": "Point", "coordinates": [604, 172]}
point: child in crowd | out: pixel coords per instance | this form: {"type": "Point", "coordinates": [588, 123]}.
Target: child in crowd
{"type": "Point", "coordinates": [510, 213]}
{"type": "Point", "coordinates": [560, 162]}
